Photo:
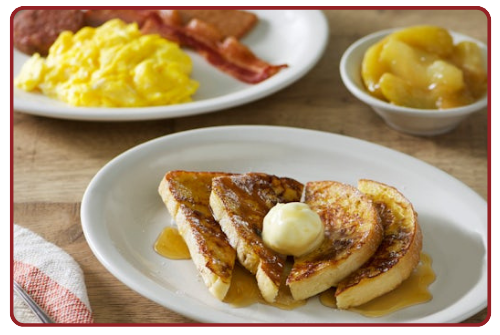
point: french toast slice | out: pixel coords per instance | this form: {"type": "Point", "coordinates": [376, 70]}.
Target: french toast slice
{"type": "Point", "coordinates": [352, 234]}
{"type": "Point", "coordinates": [397, 255]}
{"type": "Point", "coordinates": [186, 195]}
{"type": "Point", "coordinates": [239, 203]}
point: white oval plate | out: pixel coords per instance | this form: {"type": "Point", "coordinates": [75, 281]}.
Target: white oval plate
{"type": "Point", "coordinates": [122, 215]}
{"type": "Point", "coordinates": [294, 37]}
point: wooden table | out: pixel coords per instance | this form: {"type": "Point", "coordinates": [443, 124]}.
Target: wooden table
{"type": "Point", "coordinates": [54, 160]}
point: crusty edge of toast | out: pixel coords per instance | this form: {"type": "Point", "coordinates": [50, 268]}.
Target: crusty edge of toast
{"type": "Point", "coordinates": [323, 280]}
{"type": "Point", "coordinates": [327, 276]}
{"type": "Point", "coordinates": [216, 285]}
{"type": "Point", "coordinates": [370, 288]}
{"type": "Point", "coordinates": [245, 255]}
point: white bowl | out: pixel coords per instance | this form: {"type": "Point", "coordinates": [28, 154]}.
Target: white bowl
{"type": "Point", "coordinates": [409, 120]}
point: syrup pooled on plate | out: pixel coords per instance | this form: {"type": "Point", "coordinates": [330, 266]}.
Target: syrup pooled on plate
{"type": "Point", "coordinates": [412, 291]}
{"type": "Point", "coordinates": [245, 292]}
{"type": "Point", "coordinates": [170, 244]}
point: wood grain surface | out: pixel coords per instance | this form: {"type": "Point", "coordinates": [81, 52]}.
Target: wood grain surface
{"type": "Point", "coordinates": [54, 160]}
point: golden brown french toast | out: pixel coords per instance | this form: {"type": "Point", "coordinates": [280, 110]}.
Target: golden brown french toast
{"type": "Point", "coordinates": [352, 234]}
{"type": "Point", "coordinates": [397, 255]}
{"type": "Point", "coordinates": [186, 195]}
{"type": "Point", "coordinates": [239, 203]}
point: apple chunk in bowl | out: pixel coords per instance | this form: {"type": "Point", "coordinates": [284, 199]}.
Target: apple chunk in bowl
{"type": "Point", "coordinates": [417, 88]}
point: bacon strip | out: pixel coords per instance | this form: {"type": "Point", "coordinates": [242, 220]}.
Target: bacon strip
{"type": "Point", "coordinates": [227, 54]}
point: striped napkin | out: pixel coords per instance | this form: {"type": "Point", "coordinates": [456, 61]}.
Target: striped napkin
{"type": "Point", "coordinates": [51, 277]}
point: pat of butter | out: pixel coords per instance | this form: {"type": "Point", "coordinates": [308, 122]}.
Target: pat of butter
{"type": "Point", "coordinates": [292, 229]}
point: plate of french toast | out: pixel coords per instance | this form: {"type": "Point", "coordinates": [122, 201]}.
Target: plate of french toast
{"type": "Point", "coordinates": [251, 224]}
{"type": "Point", "coordinates": [227, 57]}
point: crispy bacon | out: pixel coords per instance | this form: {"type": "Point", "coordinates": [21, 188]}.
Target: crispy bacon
{"type": "Point", "coordinates": [228, 54]}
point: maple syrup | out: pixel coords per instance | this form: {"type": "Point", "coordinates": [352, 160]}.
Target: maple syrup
{"type": "Point", "coordinates": [244, 290]}
{"type": "Point", "coordinates": [327, 298]}
{"type": "Point", "coordinates": [412, 291]}
{"type": "Point", "coordinates": [170, 244]}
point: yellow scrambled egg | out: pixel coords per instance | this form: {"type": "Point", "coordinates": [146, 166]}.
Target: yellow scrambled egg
{"type": "Point", "coordinates": [113, 65]}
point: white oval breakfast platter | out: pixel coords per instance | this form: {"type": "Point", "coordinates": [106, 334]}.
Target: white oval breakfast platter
{"type": "Point", "coordinates": [122, 214]}
{"type": "Point", "coordinates": [274, 39]}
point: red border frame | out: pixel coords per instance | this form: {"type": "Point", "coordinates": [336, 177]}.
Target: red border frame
{"type": "Point", "coordinates": [488, 316]}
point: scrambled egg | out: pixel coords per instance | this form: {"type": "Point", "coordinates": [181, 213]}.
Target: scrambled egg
{"type": "Point", "coordinates": [113, 65]}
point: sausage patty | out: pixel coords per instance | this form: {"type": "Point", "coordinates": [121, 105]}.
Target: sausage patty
{"type": "Point", "coordinates": [36, 30]}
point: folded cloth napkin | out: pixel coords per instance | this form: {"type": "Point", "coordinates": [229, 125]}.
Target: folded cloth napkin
{"type": "Point", "coordinates": [51, 277]}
